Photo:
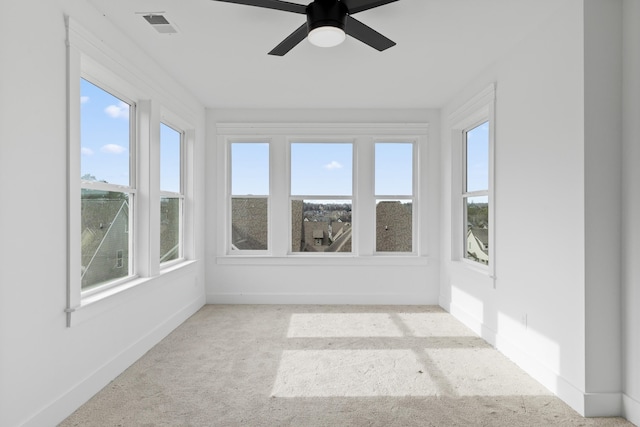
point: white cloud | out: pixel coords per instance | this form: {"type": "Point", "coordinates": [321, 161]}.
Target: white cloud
{"type": "Point", "coordinates": [118, 111]}
{"type": "Point", "coordinates": [84, 99]}
{"type": "Point", "coordinates": [113, 149]}
{"type": "Point", "coordinates": [333, 165]}
{"type": "Point", "coordinates": [86, 151]}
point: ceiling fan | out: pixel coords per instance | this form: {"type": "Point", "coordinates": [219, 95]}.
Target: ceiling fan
{"type": "Point", "coordinates": [328, 22]}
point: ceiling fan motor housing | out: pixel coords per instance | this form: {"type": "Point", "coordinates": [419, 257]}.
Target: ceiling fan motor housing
{"type": "Point", "coordinates": [326, 13]}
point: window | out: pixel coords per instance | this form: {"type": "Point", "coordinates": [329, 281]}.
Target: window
{"type": "Point", "coordinates": [321, 197]}
{"type": "Point", "coordinates": [473, 213]}
{"type": "Point", "coordinates": [129, 178]}
{"type": "Point", "coordinates": [394, 197]}
{"type": "Point", "coordinates": [249, 198]}
{"type": "Point", "coordinates": [321, 193]}
{"type": "Point", "coordinates": [475, 196]}
{"type": "Point", "coordinates": [171, 194]}
{"type": "Point", "coordinates": [107, 186]}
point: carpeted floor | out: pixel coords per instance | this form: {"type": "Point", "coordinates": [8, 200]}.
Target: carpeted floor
{"type": "Point", "coordinates": [325, 366]}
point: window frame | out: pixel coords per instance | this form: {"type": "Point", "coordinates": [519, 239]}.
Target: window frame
{"type": "Point", "coordinates": [130, 190]}
{"type": "Point", "coordinates": [362, 136]}
{"type": "Point", "coordinates": [87, 57]}
{"type": "Point", "coordinates": [301, 197]}
{"type": "Point", "coordinates": [230, 196]}
{"type": "Point", "coordinates": [478, 110]}
{"type": "Point", "coordinates": [390, 197]}
{"type": "Point", "coordinates": [466, 195]}
{"type": "Point", "coordinates": [173, 195]}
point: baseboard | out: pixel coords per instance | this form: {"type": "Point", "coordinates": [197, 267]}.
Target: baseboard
{"type": "Point", "coordinates": [66, 404]}
{"type": "Point", "coordinates": [320, 299]}
{"type": "Point", "coordinates": [602, 404]}
{"type": "Point", "coordinates": [445, 303]}
{"type": "Point", "coordinates": [631, 409]}
{"type": "Point", "coordinates": [592, 404]}
{"type": "Point", "coordinates": [473, 323]}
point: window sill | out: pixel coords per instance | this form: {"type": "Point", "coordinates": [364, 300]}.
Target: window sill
{"type": "Point", "coordinates": [322, 260]}
{"type": "Point", "coordinates": [100, 302]}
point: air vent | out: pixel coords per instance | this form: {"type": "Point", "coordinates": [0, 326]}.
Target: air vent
{"type": "Point", "coordinates": [160, 24]}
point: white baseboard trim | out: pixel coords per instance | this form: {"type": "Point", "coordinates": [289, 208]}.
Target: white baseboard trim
{"type": "Point", "coordinates": [320, 299]}
{"type": "Point", "coordinates": [586, 404]}
{"type": "Point", "coordinates": [445, 303]}
{"type": "Point", "coordinates": [66, 404]}
{"type": "Point", "coordinates": [602, 404]}
{"type": "Point", "coordinates": [631, 409]}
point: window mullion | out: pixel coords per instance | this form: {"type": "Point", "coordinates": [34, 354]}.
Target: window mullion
{"type": "Point", "coordinates": [146, 210]}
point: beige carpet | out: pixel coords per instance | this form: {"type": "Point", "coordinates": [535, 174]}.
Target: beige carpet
{"type": "Point", "coordinates": [325, 366]}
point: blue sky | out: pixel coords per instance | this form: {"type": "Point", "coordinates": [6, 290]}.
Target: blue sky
{"type": "Point", "coordinates": [478, 158]}
{"type": "Point", "coordinates": [321, 169]}
{"type": "Point", "coordinates": [317, 169]}
{"type": "Point", "coordinates": [250, 169]}
{"type": "Point", "coordinates": [104, 136]}
{"type": "Point", "coordinates": [394, 169]}
{"type": "Point", "coordinates": [169, 159]}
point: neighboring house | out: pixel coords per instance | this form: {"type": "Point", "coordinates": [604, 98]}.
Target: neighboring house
{"type": "Point", "coordinates": [316, 236]}
{"type": "Point", "coordinates": [105, 240]}
{"type": "Point", "coordinates": [249, 230]}
{"type": "Point", "coordinates": [478, 244]}
{"type": "Point", "coordinates": [394, 227]}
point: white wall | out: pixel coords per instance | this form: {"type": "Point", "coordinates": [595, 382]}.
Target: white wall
{"type": "Point", "coordinates": [361, 282]}
{"type": "Point", "coordinates": [631, 207]}
{"type": "Point", "coordinates": [556, 305]}
{"type": "Point", "coordinates": [603, 159]}
{"type": "Point", "coordinates": [47, 369]}
{"type": "Point", "coordinates": [536, 312]}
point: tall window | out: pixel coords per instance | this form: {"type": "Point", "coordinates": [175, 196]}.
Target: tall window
{"type": "Point", "coordinates": [249, 196]}
{"type": "Point", "coordinates": [321, 197]}
{"type": "Point", "coordinates": [171, 194]}
{"type": "Point", "coordinates": [394, 197]}
{"type": "Point", "coordinates": [475, 195]}
{"type": "Point", "coordinates": [107, 186]}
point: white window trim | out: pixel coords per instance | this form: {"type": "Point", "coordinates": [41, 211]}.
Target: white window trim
{"type": "Point", "coordinates": [88, 57]}
{"type": "Point", "coordinates": [479, 109]}
{"type": "Point", "coordinates": [179, 195]}
{"type": "Point", "coordinates": [414, 200]}
{"type": "Point", "coordinates": [229, 196]}
{"type": "Point", "coordinates": [352, 197]}
{"type": "Point", "coordinates": [111, 87]}
{"type": "Point", "coordinates": [363, 136]}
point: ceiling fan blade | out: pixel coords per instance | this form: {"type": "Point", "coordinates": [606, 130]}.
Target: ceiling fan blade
{"type": "Point", "coordinates": [272, 4]}
{"type": "Point", "coordinates": [290, 42]}
{"type": "Point", "coordinates": [367, 35]}
{"type": "Point", "coordinates": [355, 6]}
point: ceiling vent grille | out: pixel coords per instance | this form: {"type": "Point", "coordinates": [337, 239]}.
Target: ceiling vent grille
{"type": "Point", "coordinates": [160, 24]}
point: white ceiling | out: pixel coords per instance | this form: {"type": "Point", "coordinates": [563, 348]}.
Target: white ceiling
{"type": "Point", "coordinates": [220, 52]}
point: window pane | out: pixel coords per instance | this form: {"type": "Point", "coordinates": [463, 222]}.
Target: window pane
{"type": "Point", "coordinates": [169, 159]}
{"type": "Point", "coordinates": [249, 223]}
{"type": "Point", "coordinates": [250, 169]}
{"type": "Point", "coordinates": [394, 169]}
{"type": "Point", "coordinates": [321, 169]}
{"type": "Point", "coordinates": [394, 226]}
{"type": "Point", "coordinates": [321, 226]}
{"type": "Point", "coordinates": [477, 155]}
{"type": "Point", "coordinates": [477, 235]}
{"type": "Point", "coordinates": [105, 236]}
{"type": "Point", "coordinates": [104, 136]}
{"type": "Point", "coordinates": [169, 228]}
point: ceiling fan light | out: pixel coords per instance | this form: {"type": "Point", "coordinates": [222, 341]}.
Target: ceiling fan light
{"type": "Point", "coordinates": [326, 36]}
